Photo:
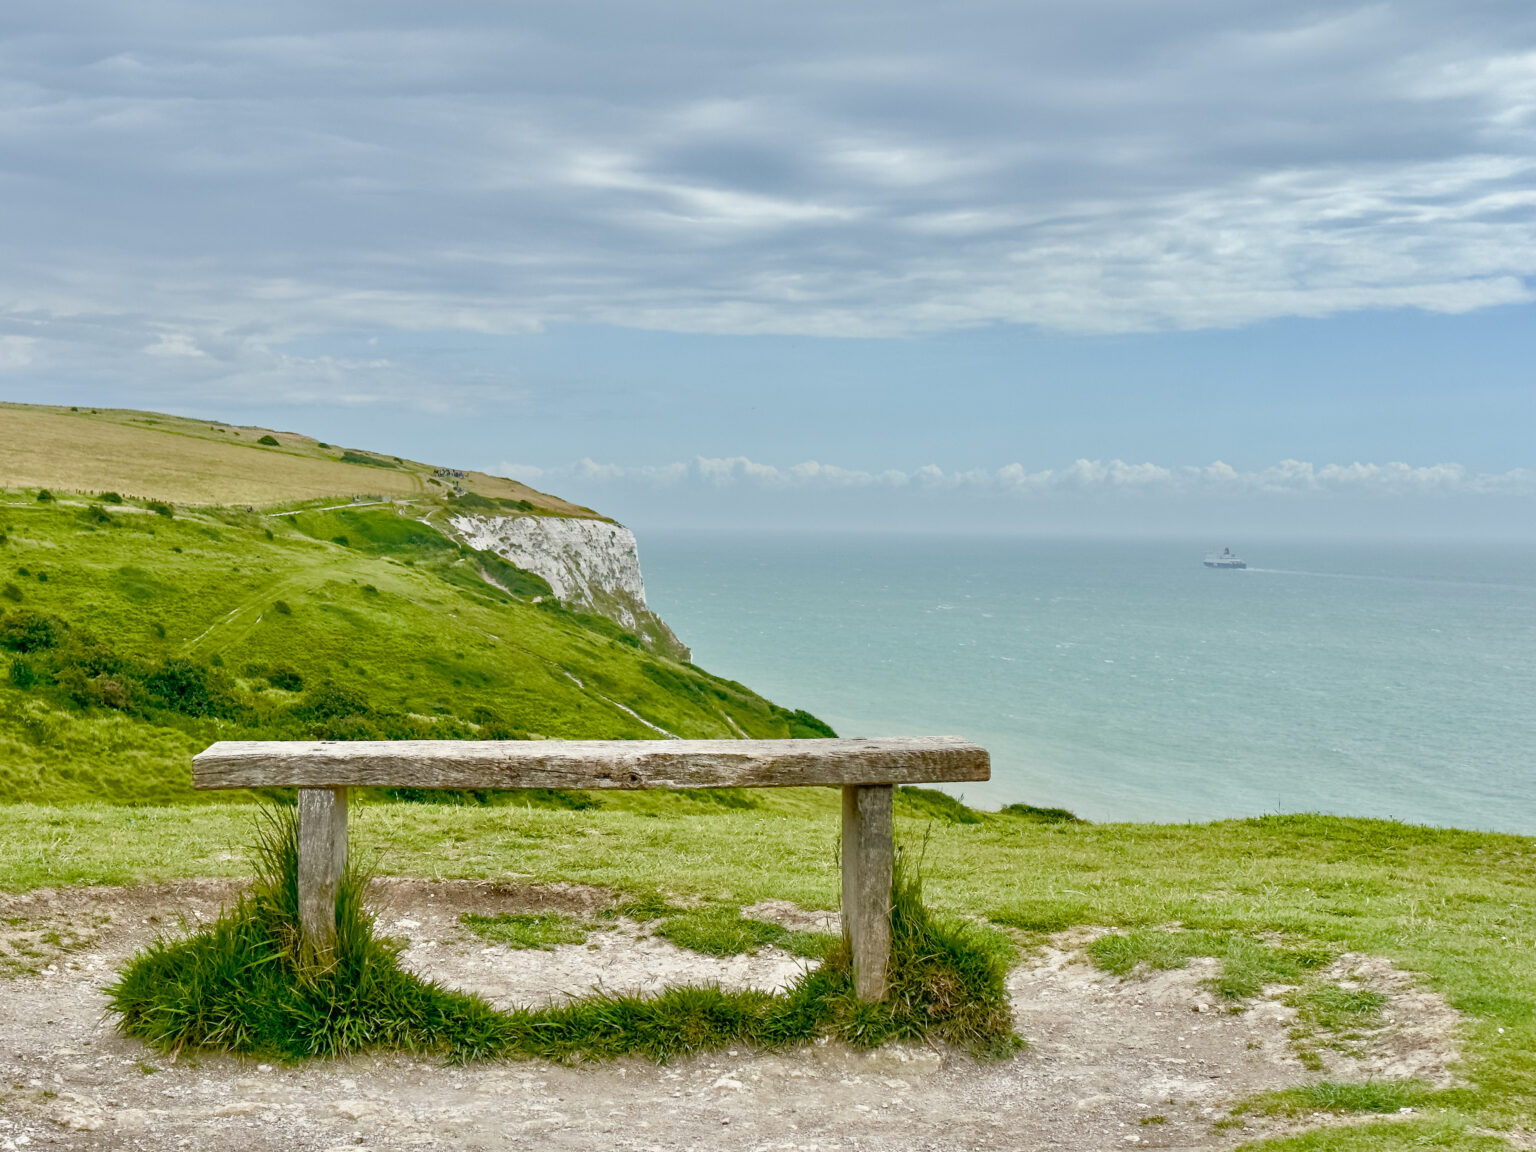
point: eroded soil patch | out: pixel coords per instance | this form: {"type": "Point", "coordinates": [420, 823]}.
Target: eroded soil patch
{"type": "Point", "coordinates": [1148, 1061]}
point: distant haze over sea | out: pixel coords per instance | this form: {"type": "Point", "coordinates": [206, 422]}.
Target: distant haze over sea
{"type": "Point", "coordinates": [1125, 681]}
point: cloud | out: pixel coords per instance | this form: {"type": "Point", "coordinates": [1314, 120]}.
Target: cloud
{"type": "Point", "coordinates": [295, 173]}
{"type": "Point", "coordinates": [174, 344]}
{"type": "Point", "coordinates": [1116, 478]}
{"type": "Point", "coordinates": [15, 352]}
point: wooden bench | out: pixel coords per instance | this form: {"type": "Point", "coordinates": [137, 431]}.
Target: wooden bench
{"type": "Point", "coordinates": [867, 771]}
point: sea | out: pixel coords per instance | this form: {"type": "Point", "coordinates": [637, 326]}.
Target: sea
{"type": "Point", "coordinates": [1124, 680]}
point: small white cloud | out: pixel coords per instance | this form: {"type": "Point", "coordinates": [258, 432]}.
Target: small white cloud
{"type": "Point", "coordinates": [174, 344]}
{"type": "Point", "coordinates": [527, 473]}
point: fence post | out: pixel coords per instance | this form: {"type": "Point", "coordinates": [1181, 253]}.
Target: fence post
{"type": "Point", "coordinates": [322, 861]}
{"type": "Point", "coordinates": [868, 853]}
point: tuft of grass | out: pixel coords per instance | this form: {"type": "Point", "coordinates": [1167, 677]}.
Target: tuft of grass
{"type": "Point", "coordinates": [1338, 1097]}
{"type": "Point", "coordinates": [542, 931]}
{"type": "Point", "coordinates": [1043, 914]}
{"type": "Point", "coordinates": [246, 984]}
{"type": "Point", "coordinates": [1042, 815]}
{"type": "Point", "coordinates": [1334, 1008]}
{"type": "Point", "coordinates": [932, 804]}
{"type": "Point", "coordinates": [720, 930]}
{"type": "Point", "coordinates": [1447, 1133]}
{"type": "Point", "coordinates": [1246, 964]}
{"type": "Point", "coordinates": [646, 907]}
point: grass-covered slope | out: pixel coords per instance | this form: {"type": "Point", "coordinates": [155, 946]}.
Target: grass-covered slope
{"type": "Point", "coordinates": [190, 461]}
{"type": "Point", "coordinates": [134, 633]}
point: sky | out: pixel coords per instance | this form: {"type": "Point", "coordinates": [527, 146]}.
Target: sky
{"type": "Point", "coordinates": [1103, 267]}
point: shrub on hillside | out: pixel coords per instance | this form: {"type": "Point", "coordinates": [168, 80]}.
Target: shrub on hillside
{"type": "Point", "coordinates": [188, 688]}
{"type": "Point", "coordinates": [26, 631]}
{"type": "Point", "coordinates": [24, 673]}
{"type": "Point", "coordinates": [333, 701]}
{"type": "Point", "coordinates": [269, 441]}
{"type": "Point", "coordinates": [111, 498]}
{"type": "Point", "coordinates": [160, 508]}
{"type": "Point", "coordinates": [11, 592]}
{"type": "Point", "coordinates": [44, 496]}
{"type": "Point", "coordinates": [284, 678]}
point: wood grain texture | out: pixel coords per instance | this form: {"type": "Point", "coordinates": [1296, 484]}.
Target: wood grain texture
{"type": "Point", "coordinates": [869, 859]}
{"type": "Point", "coordinates": [587, 763]}
{"type": "Point", "coordinates": [322, 861]}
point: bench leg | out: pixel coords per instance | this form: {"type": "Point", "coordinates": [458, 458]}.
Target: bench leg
{"type": "Point", "coordinates": [869, 853]}
{"type": "Point", "coordinates": [322, 860]}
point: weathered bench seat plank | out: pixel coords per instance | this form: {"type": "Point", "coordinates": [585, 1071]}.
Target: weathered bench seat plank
{"type": "Point", "coordinates": [587, 763]}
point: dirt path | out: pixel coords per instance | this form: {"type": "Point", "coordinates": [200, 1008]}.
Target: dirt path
{"type": "Point", "coordinates": [1145, 1062]}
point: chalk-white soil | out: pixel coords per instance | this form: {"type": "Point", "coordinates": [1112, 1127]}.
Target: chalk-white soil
{"type": "Point", "coordinates": [1147, 1062]}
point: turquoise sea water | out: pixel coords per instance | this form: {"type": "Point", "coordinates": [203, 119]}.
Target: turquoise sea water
{"type": "Point", "coordinates": [1126, 681]}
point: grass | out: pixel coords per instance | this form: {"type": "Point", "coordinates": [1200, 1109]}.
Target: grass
{"type": "Point", "coordinates": [1339, 1009]}
{"type": "Point", "coordinates": [543, 931]}
{"type": "Point", "coordinates": [248, 984]}
{"type": "Point", "coordinates": [721, 930]}
{"type": "Point", "coordinates": [1247, 964]}
{"type": "Point", "coordinates": [1339, 1098]}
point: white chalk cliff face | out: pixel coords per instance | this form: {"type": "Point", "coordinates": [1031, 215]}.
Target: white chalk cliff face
{"type": "Point", "coordinates": [591, 565]}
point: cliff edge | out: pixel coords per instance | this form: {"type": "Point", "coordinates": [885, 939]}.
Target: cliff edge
{"type": "Point", "coordinates": [591, 565]}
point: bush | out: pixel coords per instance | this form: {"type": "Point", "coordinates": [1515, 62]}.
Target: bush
{"type": "Point", "coordinates": [24, 673]}
{"type": "Point", "coordinates": [160, 508]}
{"type": "Point", "coordinates": [281, 608]}
{"type": "Point", "coordinates": [11, 593]}
{"type": "Point", "coordinates": [332, 701]}
{"type": "Point", "coordinates": [27, 631]}
{"type": "Point", "coordinates": [44, 496]}
{"type": "Point", "coordinates": [188, 688]}
{"type": "Point", "coordinates": [111, 498]}
{"type": "Point", "coordinates": [269, 441]}
{"type": "Point", "coordinates": [351, 457]}
{"type": "Point", "coordinates": [284, 678]}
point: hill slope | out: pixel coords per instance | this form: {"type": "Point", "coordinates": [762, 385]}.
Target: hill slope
{"type": "Point", "coordinates": [134, 632]}
{"type": "Point", "coordinates": [201, 462]}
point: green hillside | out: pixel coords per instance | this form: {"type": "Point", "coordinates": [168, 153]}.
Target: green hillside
{"type": "Point", "coordinates": [134, 633]}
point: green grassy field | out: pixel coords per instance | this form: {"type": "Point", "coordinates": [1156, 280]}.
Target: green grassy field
{"type": "Point", "coordinates": [1456, 908]}
{"type": "Point", "coordinates": [169, 629]}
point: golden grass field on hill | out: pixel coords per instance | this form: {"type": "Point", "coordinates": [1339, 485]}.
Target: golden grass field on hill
{"type": "Point", "coordinates": [190, 461]}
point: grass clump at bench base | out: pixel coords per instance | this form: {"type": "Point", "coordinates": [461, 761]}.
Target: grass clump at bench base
{"type": "Point", "coordinates": [245, 985]}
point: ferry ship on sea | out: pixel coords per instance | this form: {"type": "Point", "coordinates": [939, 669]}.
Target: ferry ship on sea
{"type": "Point", "coordinates": [1224, 559]}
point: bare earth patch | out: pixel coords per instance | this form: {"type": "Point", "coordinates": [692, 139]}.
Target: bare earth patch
{"type": "Point", "coordinates": [1149, 1061]}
